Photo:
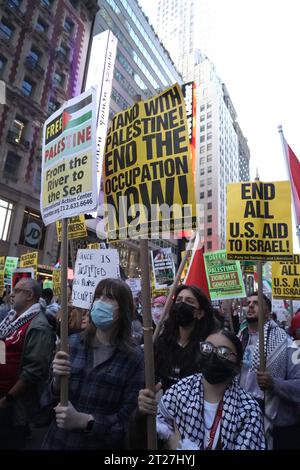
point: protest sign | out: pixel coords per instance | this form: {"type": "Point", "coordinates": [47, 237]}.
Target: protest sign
{"type": "Point", "coordinates": [21, 273]}
{"type": "Point", "coordinates": [135, 285]}
{"type": "Point", "coordinates": [47, 284]}
{"type": "Point", "coordinates": [56, 282]}
{"type": "Point", "coordinates": [286, 279]}
{"type": "Point", "coordinates": [224, 277]}
{"type": "Point", "coordinates": [91, 266]}
{"type": "Point", "coordinates": [11, 263]}
{"type": "Point", "coordinates": [147, 172]}
{"type": "Point", "coordinates": [94, 246]}
{"type": "Point", "coordinates": [69, 185]}
{"type": "Point", "coordinates": [163, 267]}
{"type": "Point", "coordinates": [29, 260]}
{"type": "Point", "coordinates": [2, 264]}
{"type": "Point", "coordinates": [259, 221]}
{"type": "Point", "coordinates": [76, 227]}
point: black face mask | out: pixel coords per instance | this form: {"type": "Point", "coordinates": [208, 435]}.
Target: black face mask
{"type": "Point", "coordinates": [183, 314]}
{"type": "Point", "coordinates": [216, 370]}
{"type": "Point", "coordinates": [251, 319]}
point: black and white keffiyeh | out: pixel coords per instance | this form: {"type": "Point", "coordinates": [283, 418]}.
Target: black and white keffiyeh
{"type": "Point", "coordinates": [241, 424]}
{"type": "Point", "coordinates": [12, 323]}
{"type": "Point", "coordinates": [275, 348]}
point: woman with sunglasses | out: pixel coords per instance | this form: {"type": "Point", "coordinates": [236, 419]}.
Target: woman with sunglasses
{"type": "Point", "coordinates": [190, 320]}
{"type": "Point", "coordinates": [209, 410]}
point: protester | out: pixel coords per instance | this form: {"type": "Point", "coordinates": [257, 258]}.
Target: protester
{"type": "Point", "coordinates": [295, 325]}
{"type": "Point", "coordinates": [52, 307]}
{"type": "Point", "coordinates": [209, 410]}
{"type": "Point", "coordinates": [5, 306]}
{"type": "Point", "coordinates": [29, 344]}
{"type": "Point", "coordinates": [106, 372]}
{"type": "Point", "coordinates": [190, 321]}
{"type": "Point", "coordinates": [157, 309]}
{"type": "Point", "coordinates": [277, 389]}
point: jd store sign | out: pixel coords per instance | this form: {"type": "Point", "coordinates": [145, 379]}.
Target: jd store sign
{"type": "Point", "coordinates": [33, 230]}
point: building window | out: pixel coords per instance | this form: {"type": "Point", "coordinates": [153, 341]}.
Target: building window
{"type": "Point", "coordinates": [202, 138]}
{"type": "Point", "coordinates": [59, 79]}
{"type": "Point", "coordinates": [209, 181]}
{"type": "Point", "coordinates": [209, 232]}
{"type": "Point", "coordinates": [41, 25]}
{"type": "Point", "coordinates": [209, 218]}
{"type": "Point", "coordinates": [209, 125]}
{"type": "Point", "coordinates": [202, 161]}
{"type": "Point", "coordinates": [53, 105]}
{"type": "Point", "coordinates": [47, 3]}
{"type": "Point", "coordinates": [6, 209]}
{"type": "Point", "coordinates": [202, 128]}
{"type": "Point", "coordinates": [202, 108]}
{"type": "Point", "coordinates": [209, 205]}
{"type": "Point", "coordinates": [18, 129]}
{"type": "Point", "coordinates": [202, 195]}
{"type": "Point", "coordinates": [6, 29]}
{"type": "Point", "coordinates": [209, 146]}
{"type": "Point", "coordinates": [209, 136]}
{"type": "Point", "coordinates": [202, 171]}
{"type": "Point", "coordinates": [64, 51]}
{"type": "Point", "coordinates": [209, 158]}
{"type": "Point", "coordinates": [209, 115]}
{"type": "Point", "coordinates": [12, 164]}
{"type": "Point", "coordinates": [202, 149]}
{"type": "Point", "coordinates": [209, 245]}
{"type": "Point", "coordinates": [209, 193]}
{"type": "Point", "coordinates": [27, 87]}
{"type": "Point", "coordinates": [3, 63]}
{"type": "Point", "coordinates": [68, 25]}
{"type": "Point", "coordinates": [209, 169]}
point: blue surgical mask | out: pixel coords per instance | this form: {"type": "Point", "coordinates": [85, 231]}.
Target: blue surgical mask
{"type": "Point", "coordinates": [102, 314]}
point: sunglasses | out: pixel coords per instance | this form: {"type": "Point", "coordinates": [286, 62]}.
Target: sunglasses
{"type": "Point", "coordinates": [222, 352]}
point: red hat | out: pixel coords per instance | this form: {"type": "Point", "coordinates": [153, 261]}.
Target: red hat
{"type": "Point", "coordinates": [295, 324]}
{"type": "Point", "coordinates": [159, 300]}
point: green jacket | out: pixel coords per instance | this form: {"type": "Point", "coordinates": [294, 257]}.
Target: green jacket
{"type": "Point", "coordinates": [35, 362]}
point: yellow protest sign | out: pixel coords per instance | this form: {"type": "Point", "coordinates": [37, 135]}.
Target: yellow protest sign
{"type": "Point", "coordinates": [76, 227]}
{"type": "Point", "coordinates": [93, 246]}
{"type": "Point", "coordinates": [2, 264]}
{"type": "Point", "coordinates": [56, 282]}
{"type": "Point", "coordinates": [69, 169]}
{"type": "Point", "coordinates": [259, 221]}
{"type": "Point", "coordinates": [29, 260]}
{"type": "Point", "coordinates": [286, 279]}
{"type": "Point", "coordinates": [147, 169]}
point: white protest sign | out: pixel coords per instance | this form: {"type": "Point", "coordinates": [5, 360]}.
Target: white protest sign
{"type": "Point", "coordinates": [91, 266]}
{"type": "Point", "coordinates": [135, 285]}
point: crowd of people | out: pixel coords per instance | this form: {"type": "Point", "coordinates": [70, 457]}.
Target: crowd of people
{"type": "Point", "coordinates": [211, 392]}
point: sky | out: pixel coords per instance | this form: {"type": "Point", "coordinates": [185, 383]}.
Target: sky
{"type": "Point", "coordinates": [255, 47]}
{"type": "Point", "coordinates": [256, 54]}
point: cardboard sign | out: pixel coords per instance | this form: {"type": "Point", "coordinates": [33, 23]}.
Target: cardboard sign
{"type": "Point", "coordinates": [259, 221]}
{"type": "Point", "coordinates": [2, 264]}
{"type": "Point", "coordinates": [21, 273]}
{"type": "Point", "coordinates": [76, 228]}
{"type": "Point", "coordinates": [11, 263]}
{"type": "Point", "coordinates": [135, 285]}
{"type": "Point", "coordinates": [147, 171]}
{"type": "Point", "coordinates": [286, 279]}
{"type": "Point", "coordinates": [163, 268]}
{"type": "Point", "coordinates": [56, 278]}
{"type": "Point", "coordinates": [29, 260]}
{"type": "Point", "coordinates": [69, 186]}
{"type": "Point", "coordinates": [224, 277]}
{"type": "Point", "coordinates": [91, 266]}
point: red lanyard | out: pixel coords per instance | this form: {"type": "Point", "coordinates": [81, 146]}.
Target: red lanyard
{"type": "Point", "coordinates": [215, 425]}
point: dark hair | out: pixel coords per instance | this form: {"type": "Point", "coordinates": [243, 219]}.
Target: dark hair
{"type": "Point", "coordinates": [166, 342]}
{"type": "Point", "coordinates": [235, 341]}
{"type": "Point", "coordinates": [47, 294]}
{"type": "Point", "coordinates": [266, 299]}
{"type": "Point", "coordinates": [118, 290]}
